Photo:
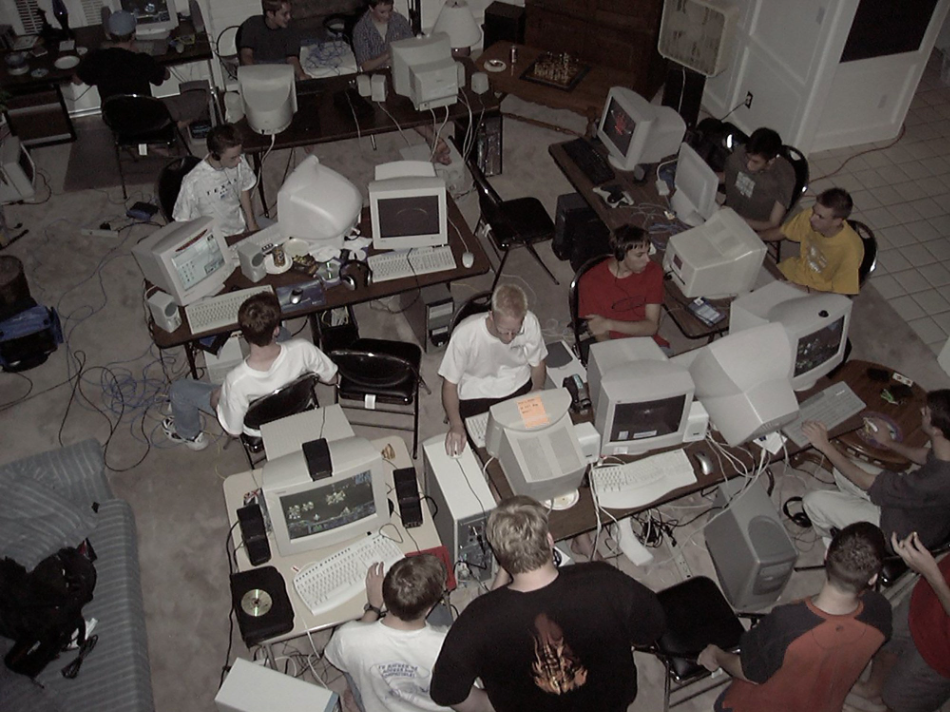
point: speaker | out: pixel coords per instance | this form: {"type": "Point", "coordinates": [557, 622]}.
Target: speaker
{"type": "Point", "coordinates": [683, 91]}
{"type": "Point", "coordinates": [579, 233]}
{"type": "Point", "coordinates": [252, 260]}
{"type": "Point", "coordinates": [164, 311]}
{"type": "Point", "coordinates": [479, 82]}
{"type": "Point", "coordinates": [460, 71]}
{"type": "Point", "coordinates": [749, 547]}
{"type": "Point", "coordinates": [196, 17]}
{"type": "Point", "coordinates": [378, 85]}
{"type": "Point", "coordinates": [363, 85]}
{"type": "Point", "coordinates": [504, 22]}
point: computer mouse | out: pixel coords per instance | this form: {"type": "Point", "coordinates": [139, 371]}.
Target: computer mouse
{"type": "Point", "coordinates": [295, 296]}
{"type": "Point", "coordinates": [704, 462]}
{"type": "Point", "coordinates": [468, 259]}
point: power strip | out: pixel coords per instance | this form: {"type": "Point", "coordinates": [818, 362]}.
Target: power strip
{"type": "Point", "coordinates": [97, 232]}
{"type": "Point", "coordinates": [678, 558]}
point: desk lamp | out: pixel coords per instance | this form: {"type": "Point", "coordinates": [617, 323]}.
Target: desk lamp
{"type": "Point", "coordinates": [457, 21]}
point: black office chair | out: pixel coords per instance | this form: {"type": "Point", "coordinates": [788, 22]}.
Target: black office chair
{"type": "Point", "coordinates": [521, 222]}
{"type": "Point", "coordinates": [296, 397]}
{"type": "Point", "coordinates": [894, 567]}
{"type": "Point", "coordinates": [169, 183]}
{"type": "Point", "coordinates": [478, 304]}
{"type": "Point", "coordinates": [800, 165]}
{"type": "Point", "coordinates": [715, 140]}
{"type": "Point", "coordinates": [870, 250]}
{"type": "Point", "coordinates": [582, 339]}
{"type": "Point", "coordinates": [226, 47]}
{"type": "Point", "coordinates": [375, 371]}
{"type": "Point", "coordinates": [136, 120]}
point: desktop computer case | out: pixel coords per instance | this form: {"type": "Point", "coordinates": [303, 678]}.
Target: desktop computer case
{"type": "Point", "coordinates": [753, 554]}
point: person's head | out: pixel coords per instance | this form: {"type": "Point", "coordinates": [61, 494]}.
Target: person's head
{"type": "Point", "coordinates": [631, 248]}
{"type": "Point", "coordinates": [761, 149]}
{"type": "Point", "coordinates": [276, 12]}
{"type": "Point", "coordinates": [259, 318]}
{"type": "Point", "coordinates": [518, 534]}
{"type": "Point", "coordinates": [381, 10]}
{"type": "Point", "coordinates": [830, 211]}
{"type": "Point", "coordinates": [854, 557]}
{"type": "Point", "coordinates": [122, 26]}
{"type": "Point", "coordinates": [509, 304]}
{"type": "Point", "coordinates": [936, 414]}
{"type": "Point", "coordinates": [225, 144]}
{"type": "Point", "coordinates": [413, 586]}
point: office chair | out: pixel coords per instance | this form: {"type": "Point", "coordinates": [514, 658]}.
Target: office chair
{"type": "Point", "coordinates": [137, 120]}
{"type": "Point", "coordinates": [800, 165]}
{"type": "Point", "coordinates": [226, 47]}
{"type": "Point", "coordinates": [870, 250]}
{"type": "Point", "coordinates": [894, 567]}
{"type": "Point", "coordinates": [582, 342]}
{"type": "Point", "coordinates": [375, 371]}
{"type": "Point", "coordinates": [714, 140]}
{"type": "Point", "coordinates": [478, 304]}
{"type": "Point", "coordinates": [296, 397]}
{"type": "Point", "coordinates": [169, 183]}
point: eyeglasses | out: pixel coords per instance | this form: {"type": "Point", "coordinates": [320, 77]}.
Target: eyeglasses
{"type": "Point", "coordinates": [506, 333]}
{"type": "Point", "coordinates": [71, 670]}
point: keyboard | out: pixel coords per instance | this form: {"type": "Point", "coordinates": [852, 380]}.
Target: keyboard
{"type": "Point", "coordinates": [326, 584]}
{"type": "Point", "coordinates": [592, 163]}
{"type": "Point", "coordinates": [155, 48]}
{"type": "Point", "coordinates": [399, 264]}
{"type": "Point", "coordinates": [219, 312]}
{"type": "Point", "coordinates": [476, 427]}
{"type": "Point", "coordinates": [639, 483]}
{"type": "Point", "coordinates": [832, 406]}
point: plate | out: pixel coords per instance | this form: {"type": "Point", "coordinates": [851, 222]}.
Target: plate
{"type": "Point", "coordinates": [66, 62]}
{"type": "Point", "coordinates": [565, 501]}
{"type": "Point", "coordinates": [296, 248]}
{"type": "Point", "coordinates": [495, 65]}
{"type": "Point", "coordinates": [274, 269]}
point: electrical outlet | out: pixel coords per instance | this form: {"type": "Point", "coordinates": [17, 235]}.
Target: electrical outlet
{"type": "Point", "coordinates": [97, 232]}
{"type": "Point", "coordinates": [748, 100]}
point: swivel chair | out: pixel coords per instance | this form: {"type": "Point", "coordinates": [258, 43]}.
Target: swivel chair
{"type": "Point", "coordinates": [582, 340]}
{"type": "Point", "coordinates": [296, 397]}
{"type": "Point", "coordinates": [478, 304]}
{"type": "Point", "coordinates": [169, 183]}
{"type": "Point", "coordinates": [870, 250]}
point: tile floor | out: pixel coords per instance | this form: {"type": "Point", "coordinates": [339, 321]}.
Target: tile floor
{"type": "Point", "coordinates": [902, 191]}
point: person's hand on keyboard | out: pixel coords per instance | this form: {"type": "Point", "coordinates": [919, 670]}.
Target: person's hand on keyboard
{"type": "Point", "coordinates": [374, 585]}
{"type": "Point", "coordinates": [817, 435]}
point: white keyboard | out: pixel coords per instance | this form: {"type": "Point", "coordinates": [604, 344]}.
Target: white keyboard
{"type": "Point", "coordinates": [221, 311]}
{"type": "Point", "coordinates": [636, 484]}
{"type": "Point", "coordinates": [326, 584]}
{"type": "Point", "coordinates": [832, 406]}
{"type": "Point", "coordinates": [399, 264]}
{"type": "Point", "coordinates": [476, 427]}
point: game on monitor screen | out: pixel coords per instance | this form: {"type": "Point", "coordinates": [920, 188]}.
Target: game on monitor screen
{"type": "Point", "coordinates": [636, 131]}
{"type": "Point", "coordinates": [154, 19]}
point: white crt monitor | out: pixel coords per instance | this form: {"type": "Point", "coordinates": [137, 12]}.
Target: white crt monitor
{"type": "Point", "coordinates": [318, 205]}
{"type": "Point", "coordinates": [636, 131]}
{"type": "Point", "coordinates": [533, 438]}
{"type": "Point", "coordinates": [407, 206]}
{"type": "Point", "coordinates": [696, 184]}
{"type": "Point", "coordinates": [270, 96]}
{"type": "Point", "coordinates": [17, 172]}
{"type": "Point", "coordinates": [308, 514]}
{"type": "Point", "coordinates": [816, 324]}
{"type": "Point", "coordinates": [189, 260]}
{"type": "Point", "coordinates": [641, 400]}
{"type": "Point", "coordinates": [720, 258]}
{"type": "Point", "coordinates": [742, 381]}
{"type": "Point", "coordinates": [424, 71]}
{"type": "Point", "coordinates": [154, 19]}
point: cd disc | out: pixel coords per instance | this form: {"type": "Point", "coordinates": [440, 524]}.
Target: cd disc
{"type": "Point", "coordinates": [256, 602]}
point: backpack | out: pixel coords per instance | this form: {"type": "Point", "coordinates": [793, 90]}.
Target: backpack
{"type": "Point", "coordinates": [42, 610]}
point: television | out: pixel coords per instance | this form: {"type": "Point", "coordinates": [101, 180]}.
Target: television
{"type": "Point", "coordinates": [742, 381]}
{"type": "Point", "coordinates": [407, 206]}
{"type": "Point", "coordinates": [17, 172]}
{"type": "Point", "coordinates": [424, 71]}
{"type": "Point", "coordinates": [318, 205]}
{"type": "Point", "coordinates": [694, 200]}
{"type": "Point", "coordinates": [154, 19]}
{"type": "Point", "coordinates": [533, 438]}
{"type": "Point", "coordinates": [817, 325]}
{"type": "Point", "coordinates": [308, 513]}
{"type": "Point", "coordinates": [189, 260]}
{"type": "Point", "coordinates": [270, 96]}
{"type": "Point", "coordinates": [720, 258]}
{"type": "Point", "coordinates": [640, 399]}
{"type": "Point", "coordinates": [636, 131]}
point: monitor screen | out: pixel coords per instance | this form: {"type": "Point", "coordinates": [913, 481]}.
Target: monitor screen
{"type": "Point", "coordinates": [408, 212]}
{"type": "Point", "coordinates": [818, 347]}
{"type": "Point", "coordinates": [322, 509]}
{"type": "Point", "coordinates": [618, 126]}
{"type": "Point", "coordinates": [650, 419]}
{"type": "Point", "coordinates": [401, 217]}
{"type": "Point", "coordinates": [198, 259]}
{"type": "Point", "coordinates": [636, 131]}
{"type": "Point", "coordinates": [154, 19]}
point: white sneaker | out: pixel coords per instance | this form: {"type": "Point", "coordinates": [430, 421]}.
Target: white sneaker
{"type": "Point", "coordinates": [200, 442]}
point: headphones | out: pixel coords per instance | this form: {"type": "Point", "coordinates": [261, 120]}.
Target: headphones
{"type": "Point", "coordinates": [800, 518]}
{"type": "Point", "coordinates": [622, 244]}
{"type": "Point", "coordinates": [355, 273]}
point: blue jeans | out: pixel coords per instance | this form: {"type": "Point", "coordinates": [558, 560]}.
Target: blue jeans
{"type": "Point", "coordinates": [189, 399]}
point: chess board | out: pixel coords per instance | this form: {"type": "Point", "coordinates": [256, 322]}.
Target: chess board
{"type": "Point", "coordinates": [556, 69]}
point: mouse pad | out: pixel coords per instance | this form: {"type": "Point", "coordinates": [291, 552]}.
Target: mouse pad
{"type": "Point", "coordinates": [867, 434]}
{"type": "Point", "coordinates": [313, 296]}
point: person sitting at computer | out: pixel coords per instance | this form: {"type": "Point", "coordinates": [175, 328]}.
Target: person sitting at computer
{"type": "Point", "coordinates": [269, 39]}
{"type": "Point", "coordinates": [805, 656]}
{"type": "Point", "coordinates": [491, 358]}
{"type": "Point", "coordinates": [220, 185]}
{"type": "Point", "coordinates": [622, 295]}
{"type": "Point", "coordinates": [899, 502]}
{"type": "Point", "coordinates": [269, 365]}
{"type": "Point", "coordinates": [830, 252]}
{"type": "Point", "coordinates": [120, 69]}
{"type": "Point", "coordinates": [759, 183]}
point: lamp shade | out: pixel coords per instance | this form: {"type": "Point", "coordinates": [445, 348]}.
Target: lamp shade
{"type": "Point", "coordinates": [457, 21]}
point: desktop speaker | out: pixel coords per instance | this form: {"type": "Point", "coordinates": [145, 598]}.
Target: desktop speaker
{"type": "Point", "coordinates": [197, 19]}
{"type": "Point", "coordinates": [479, 82]}
{"type": "Point", "coordinates": [363, 85]}
{"type": "Point", "coordinates": [252, 260]}
{"type": "Point", "coordinates": [164, 311]}
{"type": "Point", "coordinates": [504, 21]}
{"type": "Point", "coordinates": [378, 86]}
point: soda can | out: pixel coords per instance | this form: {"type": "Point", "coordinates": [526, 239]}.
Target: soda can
{"type": "Point", "coordinates": [279, 258]}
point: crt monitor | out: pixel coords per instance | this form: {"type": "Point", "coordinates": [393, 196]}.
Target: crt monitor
{"type": "Point", "coordinates": [817, 325]}
{"type": "Point", "coordinates": [533, 438]}
{"type": "Point", "coordinates": [407, 206]}
{"type": "Point", "coordinates": [742, 381]}
{"type": "Point", "coordinates": [17, 172]}
{"type": "Point", "coordinates": [641, 400]}
{"type": "Point", "coordinates": [636, 131]}
{"type": "Point", "coordinates": [720, 258]}
{"type": "Point", "coordinates": [307, 513]}
{"type": "Point", "coordinates": [424, 71]}
{"type": "Point", "coordinates": [269, 92]}
{"type": "Point", "coordinates": [189, 260]}
{"type": "Point", "coordinates": [696, 184]}
{"type": "Point", "coordinates": [318, 205]}
{"type": "Point", "coordinates": [154, 19]}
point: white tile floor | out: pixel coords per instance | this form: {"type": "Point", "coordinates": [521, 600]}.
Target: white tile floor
{"type": "Point", "coordinates": [902, 192]}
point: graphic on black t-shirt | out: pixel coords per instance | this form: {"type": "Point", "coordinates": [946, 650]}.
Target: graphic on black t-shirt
{"type": "Point", "coordinates": [556, 669]}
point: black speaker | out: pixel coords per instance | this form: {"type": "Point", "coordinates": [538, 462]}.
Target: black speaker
{"type": "Point", "coordinates": [579, 233]}
{"type": "Point", "coordinates": [683, 91]}
{"type": "Point", "coordinates": [503, 22]}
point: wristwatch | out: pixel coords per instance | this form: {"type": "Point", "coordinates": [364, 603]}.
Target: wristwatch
{"type": "Point", "coordinates": [370, 607]}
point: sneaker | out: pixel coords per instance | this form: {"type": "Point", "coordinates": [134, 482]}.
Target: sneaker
{"type": "Point", "coordinates": [200, 442]}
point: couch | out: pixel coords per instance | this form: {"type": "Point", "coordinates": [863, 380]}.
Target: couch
{"type": "Point", "coordinates": [59, 498]}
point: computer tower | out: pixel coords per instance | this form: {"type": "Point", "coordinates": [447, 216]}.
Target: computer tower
{"type": "Point", "coordinates": [504, 21]}
{"type": "Point", "coordinates": [462, 504]}
{"type": "Point", "coordinates": [683, 91]}
{"type": "Point", "coordinates": [579, 233]}
{"type": "Point", "coordinates": [488, 143]}
{"type": "Point", "coordinates": [254, 688]}
{"type": "Point", "coordinates": [753, 554]}
{"type": "Point", "coordinates": [429, 312]}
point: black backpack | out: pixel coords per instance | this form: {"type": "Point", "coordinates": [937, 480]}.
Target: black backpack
{"type": "Point", "coordinates": [42, 610]}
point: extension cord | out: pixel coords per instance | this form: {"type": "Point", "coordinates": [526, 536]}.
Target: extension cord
{"type": "Point", "coordinates": [678, 558]}
{"type": "Point", "coordinates": [97, 232]}
{"type": "Point", "coordinates": [630, 545]}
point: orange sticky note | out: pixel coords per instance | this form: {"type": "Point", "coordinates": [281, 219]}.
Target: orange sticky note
{"type": "Point", "coordinates": [532, 412]}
